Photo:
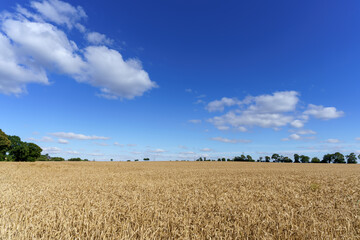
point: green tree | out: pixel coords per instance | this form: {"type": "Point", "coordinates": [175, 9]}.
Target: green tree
{"type": "Point", "coordinates": [287, 160]}
{"type": "Point", "coordinates": [20, 152]}
{"type": "Point", "coordinates": [57, 159]}
{"type": "Point", "coordinates": [249, 158]}
{"type": "Point", "coordinates": [315, 160]}
{"type": "Point", "coordinates": [5, 144]}
{"type": "Point", "coordinates": [304, 159]}
{"type": "Point", "coordinates": [351, 158]}
{"type": "Point", "coordinates": [267, 159]}
{"type": "Point", "coordinates": [338, 158]}
{"type": "Point", "coordinates": [146, 159]}
{"type": "Point", "coordinates": [296, 158]}
{"type": "Point", "coordinates": [327, 158]}
{"type": "Point", "coordinates": [34, 152]}
{"type": "Point", "coordinates": [275, 157]}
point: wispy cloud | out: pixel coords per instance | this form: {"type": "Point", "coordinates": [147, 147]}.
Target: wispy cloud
{"type": "Point", "coordinates": [77, 136]}
{"type": "Point", "coordinates": [227, 140]}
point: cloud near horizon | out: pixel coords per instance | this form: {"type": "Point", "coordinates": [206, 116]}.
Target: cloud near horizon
{"type": "Point", "coordinates": [33, 45]}
{"type": "Point", "coordinates": [77, 136]}
{"type": "Point", "coordinates": [274, 110]}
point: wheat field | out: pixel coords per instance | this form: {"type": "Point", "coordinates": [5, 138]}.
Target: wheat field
{"type": "Point", "coordinates": [179, 200]}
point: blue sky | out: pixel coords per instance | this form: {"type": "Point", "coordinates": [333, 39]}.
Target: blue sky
{"type": "Point", "coordinates": [181, 79]}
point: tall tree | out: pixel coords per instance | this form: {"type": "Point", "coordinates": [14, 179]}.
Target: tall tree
{"type": "Point", "coordinates": [20, 152]}
{"type": "Point", "coordinates": [304, 159]}
{"type": "Point", "coordinates": [275, 157]}
{"type": "Point", "coordinates": [338, 158]}
{"type": "Point", "coordinates": [5, 144]}
{"type": "Point", "coordinates": [34, 152]}
{"type": "Point", "coordinates": [315, 160]}
{"type": "Point", "coordinates": [351, 158]}
{"type": "Point", "coordinates": [296, 158]}
{"type": "Point", "coordinates": [327, 158]}
{"type": "Point", "coordinates": [267, 158]}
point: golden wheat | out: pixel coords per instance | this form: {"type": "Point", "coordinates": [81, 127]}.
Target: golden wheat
{"type": "Point", "coordinates": [179, 200]}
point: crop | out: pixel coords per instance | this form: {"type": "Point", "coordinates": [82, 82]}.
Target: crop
{"type": "Point", "coordinates": [179, 200]}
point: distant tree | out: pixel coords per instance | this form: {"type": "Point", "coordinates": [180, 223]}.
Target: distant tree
{"type": "Point", "coordinates": [5, 144]}
{"type": "Point", "coordinates": [304, 159]}
{"type": "Point", "coordinates": [74, 159]}
{"type": "Point", "coordinates": [57, 159]}
{"type": "Point", "coordinates": [359, 157]}
{"type": "Point", "coordinates": [34, 152]}
{"type": "Point", "coordinates": [128, 160]}
{"type": "Point", "coordinates": [296, 158]}
{"type": "Point", "coordinates": [260, 159]}
{"type": "Point", "coordinates": [286, 160]}
{"type": "Point", "coordinates": [219, 159]}
{"type": "Point", "coordinates": [146, 159]}
{"type": "Point", "coordinates": [315, 160]}
{"type": "Point", "coordinates": [223, 159]}
{"type": "Point", "coordinates": [229, 160]}
{"type": "Point", "coordinates": [327, 158]}
{"type": "Point", "coordinates": [267, 159]}
{"type": "Point", "coordinates": [42, 158]}
{"type": "Point", "coordinates": [275, 157]}
{"type": "Point", "coordinates": [249, 158]}
{"type": "Point", "coordinates": [111, 160]}
{"type": "Point", "coordinates": [136, 160]}
{"type": "Point", "coordinates": [338, 158]}
{"type": "Point", "coordinates": [351, 158]}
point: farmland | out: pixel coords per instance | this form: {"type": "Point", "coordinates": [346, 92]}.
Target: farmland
{"type": "Point", "coordinates": [179, 200]}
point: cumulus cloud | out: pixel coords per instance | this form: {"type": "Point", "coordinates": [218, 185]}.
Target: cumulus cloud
{"type": "Point", "coordinates": [267, 111]}
{"type": "Point", "coordinates": [226, 140]}
{"type": "Point", "coordinates": [297, 123]}
{"type": "Point", "coordinates": [32, 44]}
{"type": "Point", "coordinates": [98, 38]}
{"type": "Point", "coordinates": [219, 105]}
{"type": "Point", "coordinates": [77, 136]}
{"type": "Point", "coordinates": [322, 112]}
{"type": "Point", "coordinates": [59, 12]}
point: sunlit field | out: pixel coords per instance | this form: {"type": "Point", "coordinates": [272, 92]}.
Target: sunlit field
{"type": "Point", "coordinates": [179, 200]}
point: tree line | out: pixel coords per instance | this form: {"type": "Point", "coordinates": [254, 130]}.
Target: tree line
{"type": "Point", "coordinates": [327, 158]}
{"type": "Point", "coordinates": [12, 149]}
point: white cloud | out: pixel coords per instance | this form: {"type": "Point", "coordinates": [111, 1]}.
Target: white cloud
{"type": "Point", "coordinates": [357, 139]}
{"type": "Point", "coordinates": [226, 140]}
{"type": "Point", "coordinates": [305, 132]}
{"type": "Point", "coordinates": [13, 74]}
{"type": "Point", "coordinates": [297, 123]}
{"type": "Point", "coordinates": [294, 136]}
{"type": "Point", "coordinates": [219, 105]}
{"type": "Point", "coordinates": [206, 150]}
{"type": "Point", "coordinates": [267, 111]}
{"type": "Point", "coordinates": [195, 121]}
{"type": "Point", "coordinates": [72, 152]}
{"type": "Point", "coordinates": [159, 150]}
{"type": "Point", "coordinates": [30, 47]}
{"type": "Point", "coordinates": [131, 145]}
{"type": "Point", "coordinates": [332, 140]}
{"type": "Point", "coordinates": [43, 139]}
{"type": "Point", "coordinates": [59, 12]}
{"type": "Point", "coordinates": [77, 136]}
{"type": "Point", "coordinates": [98, 38]}
{"type": "Point", "coordinates": [117, 78]}
{"type": "Point", "coordinates": [51, 150]}
{"type": "Point", "coordinates": [322, 112]}
{"type": "Point", "coordinates": [63, 141]}
{"type": "Point", "coordinates": [102, 144]}
{"type": "Point", "coordinates": [187, 153]}
{"type": "Point", "coordinates": [118, 144]}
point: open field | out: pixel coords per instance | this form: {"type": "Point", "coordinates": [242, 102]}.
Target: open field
{"type": "Point", "coordinates": [179, 200]}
